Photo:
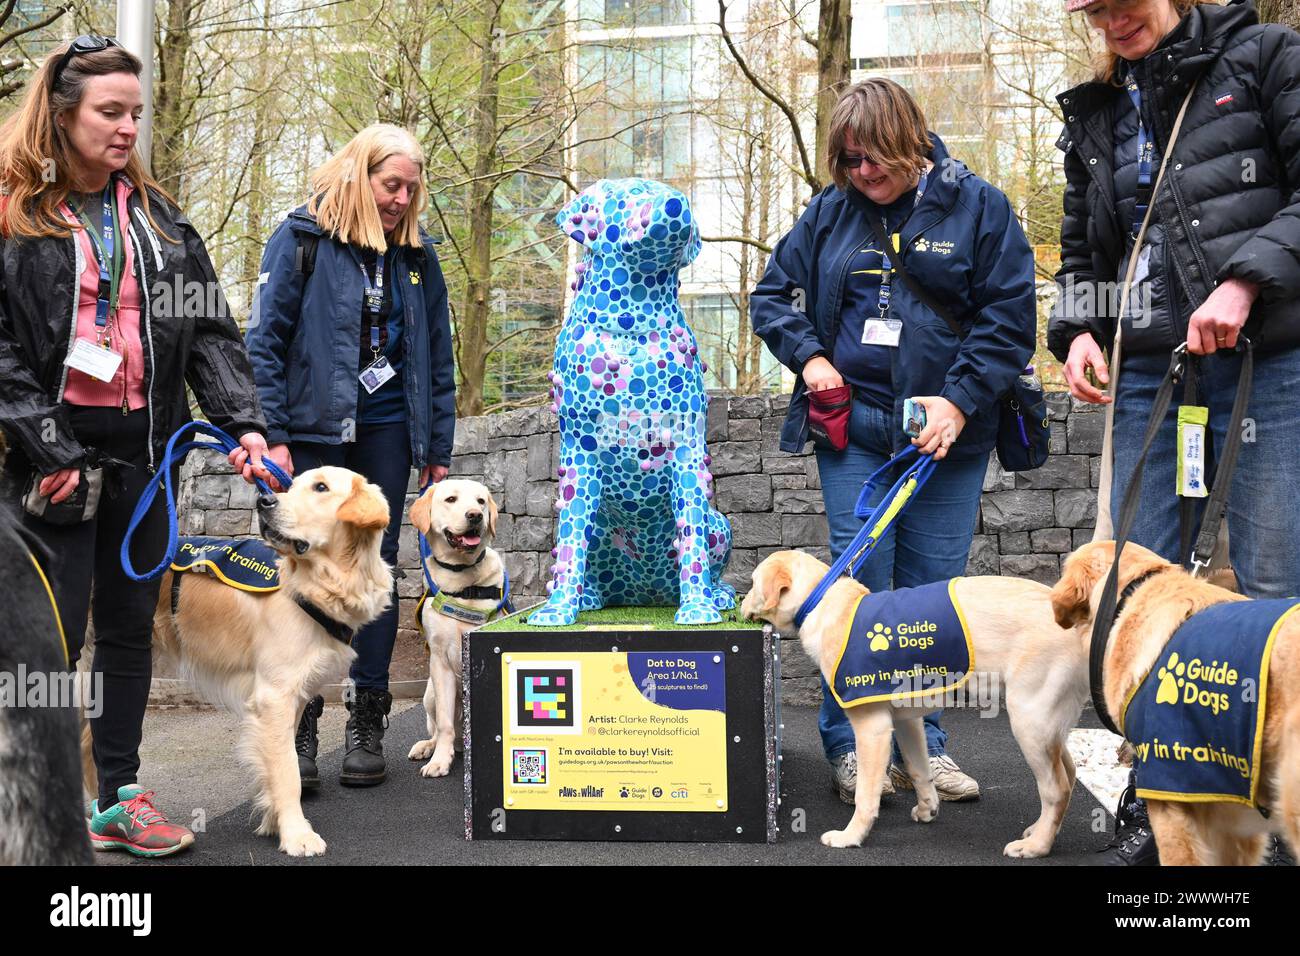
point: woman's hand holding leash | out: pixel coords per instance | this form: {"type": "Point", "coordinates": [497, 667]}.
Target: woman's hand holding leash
{"type": "Point", "coordinates": [1086, 354]}
{"type": "Point", "coordinates": [247, 459]}
{"type": "Point", "coordinates": [431, 474]}
{"type": "Point", "coordinates": [943, 423]}
{"type": "Point", "coordinates": [1217, 323]}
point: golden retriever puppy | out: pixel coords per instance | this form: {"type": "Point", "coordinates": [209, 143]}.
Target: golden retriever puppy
{"type": "Point", "coordinates": [1208, 833]}
{"type": "Point", "coordinates": [1041, 667]}
{"type": "Point", "coordinates": [458, 519]}
{"type": "Point", "coordinates": [264, 656]}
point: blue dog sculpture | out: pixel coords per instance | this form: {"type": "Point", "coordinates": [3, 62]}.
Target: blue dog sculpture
{"type": "Point", "coordinates": [635, 523]}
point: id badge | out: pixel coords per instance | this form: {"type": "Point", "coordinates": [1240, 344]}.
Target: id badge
{"type": "Point", "coordinates": [375, 375]}
{"type": "Point", "coordinates": [93, 360]}
{"type": "Point", "coordinates": [881, 332]}
{"type": "Point", "coordinates": [1192, 420]}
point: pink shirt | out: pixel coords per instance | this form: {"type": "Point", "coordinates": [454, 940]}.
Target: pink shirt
{"type": "Point", "coordinates": [128, 383]}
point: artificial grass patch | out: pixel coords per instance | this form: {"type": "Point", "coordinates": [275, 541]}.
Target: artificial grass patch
{"type": "Point", "coordinates": [623, 618]}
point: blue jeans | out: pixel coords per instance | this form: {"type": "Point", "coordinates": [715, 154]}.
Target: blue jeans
{"type": "Point", "coordinates": [1264, 502]}
{"type": "Point", "coordinates": [382, 453]}
{"type": "Point", "coordinates": [930, 541]}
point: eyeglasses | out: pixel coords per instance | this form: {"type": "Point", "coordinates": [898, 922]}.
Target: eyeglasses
{"type": "Point", "coordinates": [854, 162]}
{"type": "Point", "coordinates": [86, 43]}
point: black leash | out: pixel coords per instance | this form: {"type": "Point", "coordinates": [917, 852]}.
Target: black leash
{"type": "Point", "coordinates": [1215, 508]}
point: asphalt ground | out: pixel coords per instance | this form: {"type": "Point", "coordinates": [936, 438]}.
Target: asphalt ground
{"type": "Point", "coordinates": [188, 758]}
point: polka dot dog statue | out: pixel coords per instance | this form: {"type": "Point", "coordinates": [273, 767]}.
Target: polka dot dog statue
{"type": "Point", "coordinates": [635, 525]}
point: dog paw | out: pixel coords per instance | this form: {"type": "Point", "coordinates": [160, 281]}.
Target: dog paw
{"type": "Point", "coordinates": [697, 612]}
{"type": "Point", "coordinates": [553, 615]}
{"type": "Point", "coordinates": [924, 814]}
{"type": "Point", "coordinates": [436, 768]}
{"type": "Point", "coordinates": [839, 839]}
{"type": "Point", "coordinates": [422, 750]}
{"type": "Point", "coordinates": [1023, 850]}
{"type": "Point", "coordinates": [302, 843]}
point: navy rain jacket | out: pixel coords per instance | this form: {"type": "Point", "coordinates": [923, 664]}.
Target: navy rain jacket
{"type": "Point", "coordinates": [304, 338]}
{"type": "Point", "coordinates": [963, 244]}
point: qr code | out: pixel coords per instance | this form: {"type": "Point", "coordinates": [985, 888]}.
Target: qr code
{"type": "Point", "coordinates": [529, 766]}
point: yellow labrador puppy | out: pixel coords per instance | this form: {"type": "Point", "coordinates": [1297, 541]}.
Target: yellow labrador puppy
{"type": "Point", "coordinates": [264, 656]}
{"type": "Point", "coordinates": [1209, 833]}
{"type": "Point", "coordinates": [1041, 667]}
{"type": "Point", "coordinates": [458, 519]}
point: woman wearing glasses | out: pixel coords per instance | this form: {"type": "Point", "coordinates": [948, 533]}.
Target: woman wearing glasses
{"type": "Point", "coordinates": [832, 309]}
{"type": "Point", "coordinates": [351, 345]}
{"type": "Point", "coordinates": [93, 370]}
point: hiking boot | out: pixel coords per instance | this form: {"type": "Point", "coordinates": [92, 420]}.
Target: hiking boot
{"type": "Point", "coordinates": [1133, 843]}
{"type": "Point", "coordinates": [134, 824]}
{"type": "Point", "coordinates": [363, 766]}
{"type": "Point", "coordinates": [307, 741]}
{"type": "Point", "coordinates": [953, 783]}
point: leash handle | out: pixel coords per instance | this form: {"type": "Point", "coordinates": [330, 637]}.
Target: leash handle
{"type": "Point", "coordinates": [864, 542]}
{"type": "Point", "coordinates": [163, 479]}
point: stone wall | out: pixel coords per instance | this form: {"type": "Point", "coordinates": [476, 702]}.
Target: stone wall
{"type": "Point", "coordinates": [1027, 524]}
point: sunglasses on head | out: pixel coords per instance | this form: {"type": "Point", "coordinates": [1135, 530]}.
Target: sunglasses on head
{"type": "Point", "coordinates": [86, 43]}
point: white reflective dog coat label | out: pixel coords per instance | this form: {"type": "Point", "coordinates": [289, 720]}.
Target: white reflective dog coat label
{"type": "Point", "coordinates": [905, 643]}
{"type": "Point", "coordinates": [246, 563]}
{"type": "Point", "coordinates": [1196, 721]}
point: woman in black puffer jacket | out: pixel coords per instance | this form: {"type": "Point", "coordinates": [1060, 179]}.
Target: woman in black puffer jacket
{"type": "Point", "coordinates": [1221, 258]}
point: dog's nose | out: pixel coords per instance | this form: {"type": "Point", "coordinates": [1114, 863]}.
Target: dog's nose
{"type": "Point", "coordinates": [474, 517]}
{"type": "Point", "coordinates": [267, 502]}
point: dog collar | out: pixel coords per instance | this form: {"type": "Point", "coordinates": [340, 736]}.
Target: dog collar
{"type": "Point", "coordinates": [336, 629]}
{"type": "Point", "coordinates": [1132, 587]}
{"type": "Point", "coordinates": [460, 567]}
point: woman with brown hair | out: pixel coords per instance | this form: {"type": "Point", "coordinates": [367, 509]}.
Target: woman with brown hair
{"type": "Point", "coordinates": [833, 309]}
{"type": "Point", "coordinates": [94, 361]}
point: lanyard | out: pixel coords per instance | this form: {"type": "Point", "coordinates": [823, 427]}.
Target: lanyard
{"type": "Point", "coordinates": [882, 299]}
{"type": "Point", "coordinates": [376, 332]}
{"type": "Point", "coordinates": [1146, 153]}
{"type": "Point", "coordinates": [108, 250]}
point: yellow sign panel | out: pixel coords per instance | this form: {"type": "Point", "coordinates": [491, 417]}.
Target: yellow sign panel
{"type": "Point", "coordinates": [614, 731]}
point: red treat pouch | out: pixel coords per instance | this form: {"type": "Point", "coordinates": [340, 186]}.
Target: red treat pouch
{"type": "Point", "coordinates": [828, 417]}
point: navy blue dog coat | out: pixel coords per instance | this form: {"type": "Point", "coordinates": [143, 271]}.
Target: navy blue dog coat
{"type": "Point", "coordinates": [1196, 721]}
{"type": "Point", "coordinates": [904, 643]}
{"type": "Point", "coordinates": [246, 563]}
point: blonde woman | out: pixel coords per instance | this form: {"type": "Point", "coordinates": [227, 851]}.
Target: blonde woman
{"type": "Point", "coordinates": [93, 368]}
{"type": "Point", "coordinates": [351, 348]}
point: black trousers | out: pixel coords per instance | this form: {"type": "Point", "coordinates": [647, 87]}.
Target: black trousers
{"type": "Point", "coordinates": [88, 581]}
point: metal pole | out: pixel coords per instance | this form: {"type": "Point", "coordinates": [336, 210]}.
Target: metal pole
{"type": "Point", "coordinates": [135, 19]}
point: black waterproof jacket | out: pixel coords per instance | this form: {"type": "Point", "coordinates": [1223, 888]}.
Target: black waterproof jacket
{"type": "Point", "coordinates": [1230, 201]}
{"type": "Point", "coordinates": [189, 336]}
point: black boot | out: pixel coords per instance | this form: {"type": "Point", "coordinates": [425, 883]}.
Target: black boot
{"type": "Point", "coordinates": [306, 742]}
{"type": "Point", "coordinates": [1133, 844]}
{"type": "Point", "coordinates": [363, 766]}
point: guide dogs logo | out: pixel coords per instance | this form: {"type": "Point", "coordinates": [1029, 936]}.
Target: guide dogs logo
{"type": "Point", "coordinates": [1178, 683]}
{"type": "Point", "coordinates": [880, 636]}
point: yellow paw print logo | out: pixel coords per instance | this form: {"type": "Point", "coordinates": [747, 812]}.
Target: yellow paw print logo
{"type": "Point", "coordinates": [880, 637]}
{"type": "Point", "coordinates": [922, 245]}
{"type": "Point", "coordinates": [1171, 678]}
{"type": "Point", "coordinates": [415, 278]}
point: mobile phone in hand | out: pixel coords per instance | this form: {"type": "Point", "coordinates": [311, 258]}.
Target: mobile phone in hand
{"type": "Point", "coordinates": [913, 418]}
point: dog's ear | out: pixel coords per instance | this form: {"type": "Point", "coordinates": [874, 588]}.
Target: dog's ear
{"type": "Point", "coordinates": [773, 582]}
{"type": "Point", "coordinates": [1072, 594]}
{"type": "Point", "coordinates": [364, 508]}
{"type": "Point", "coordinates": [492, 516]}
{"type": "Point", "coordinates": [421, 515]}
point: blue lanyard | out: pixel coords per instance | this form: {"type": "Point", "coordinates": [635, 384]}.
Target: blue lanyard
{"type": "Point", "coordinates": [108, 252]}
{"type": "Point", "coordinates": [886, 270]}
{"type": "Point", "coordinates": [1146, 153]}
{"type": "Point", "coordinates": [374, 301]}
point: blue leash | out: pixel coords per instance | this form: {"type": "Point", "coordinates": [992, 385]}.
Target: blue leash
{"type": "Point", "coordinates": [163, 478]}
{"type": "Point", "coordinates": [426, 554]}
{"type": "Point", "coordinates": [875, 521]}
